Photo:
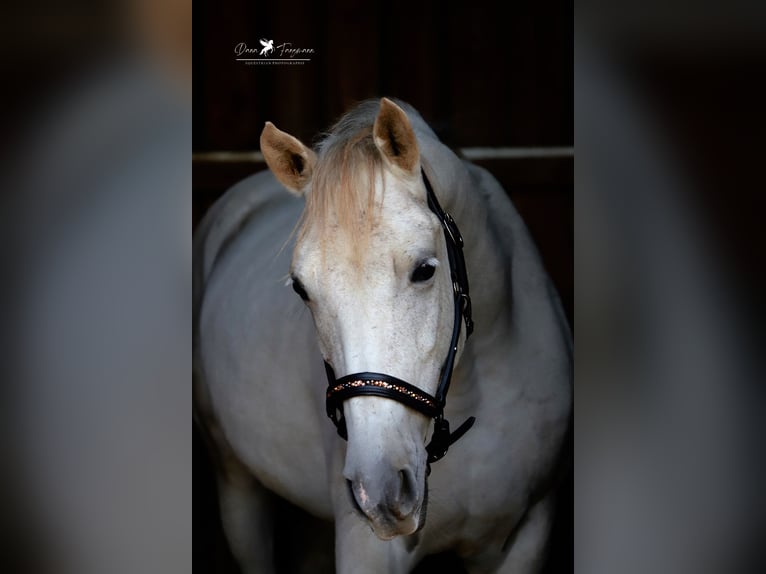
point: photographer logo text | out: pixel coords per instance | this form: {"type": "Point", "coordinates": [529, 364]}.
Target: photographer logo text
{"type": "Point", "coordinates": [271, 53]}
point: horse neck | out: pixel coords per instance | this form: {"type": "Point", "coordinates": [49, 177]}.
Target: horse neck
{"type": "Point", "coordinates": [515, 309]}
{"type": "Point", "coordinates": [512, 294]}
{"type": "Point", "coordinates": [485, 258]}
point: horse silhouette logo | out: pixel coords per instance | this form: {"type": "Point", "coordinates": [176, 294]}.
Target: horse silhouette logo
{"type": "Point", "coordinates": [268, 47]}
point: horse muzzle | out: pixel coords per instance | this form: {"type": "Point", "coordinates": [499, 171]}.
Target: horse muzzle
{"type": "Point", "coordinates": [391, 500]}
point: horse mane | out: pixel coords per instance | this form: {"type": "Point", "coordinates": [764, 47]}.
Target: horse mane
{"type": "Point", "coordinates": [342, 195]}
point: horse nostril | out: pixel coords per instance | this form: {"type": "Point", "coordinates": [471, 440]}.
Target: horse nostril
{"type": "Point", "coordinates": [354, 501]}
{"type": "Point", "coordinates": [407, 492]}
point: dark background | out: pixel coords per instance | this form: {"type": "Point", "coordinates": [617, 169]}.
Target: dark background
{"type": "Point", "coordinates": [479, 78]}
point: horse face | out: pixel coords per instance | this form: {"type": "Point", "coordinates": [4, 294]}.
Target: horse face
{"type": "Point", "coordinates": [387, 310]}
{"type": "Point", "coordinates": [381, 299]}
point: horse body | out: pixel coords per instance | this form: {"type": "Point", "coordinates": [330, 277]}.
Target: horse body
{"type": "Point", "coordinates": [244, 295]}
{"type": "Point", "coordinates": [260, 387]}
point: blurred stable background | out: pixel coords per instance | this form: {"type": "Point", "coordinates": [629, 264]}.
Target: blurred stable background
{"type": "Point", "coordinates": [499, 89]}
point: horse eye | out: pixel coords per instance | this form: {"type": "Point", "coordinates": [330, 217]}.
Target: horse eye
{"type": "Point", "coordinates": [300, 290]}
{"type": "Point", "coordinates": [423, 272]}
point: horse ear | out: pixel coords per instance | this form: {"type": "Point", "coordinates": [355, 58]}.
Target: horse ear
{"type": "Point", "coordinates": [288, 159]}
{"type": "Point", "coordinates": [395, 138]}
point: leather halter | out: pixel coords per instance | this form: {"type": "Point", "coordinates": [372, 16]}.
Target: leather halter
{"type": "Point", "coordinates": [386, 386]}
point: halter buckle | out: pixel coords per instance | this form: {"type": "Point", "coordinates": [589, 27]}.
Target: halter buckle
{"type": "Point", "coordinates": [440, 440]}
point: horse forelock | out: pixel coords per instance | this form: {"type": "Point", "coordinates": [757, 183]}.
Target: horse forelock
{"type": "Point", "coordinates": [342, 200]}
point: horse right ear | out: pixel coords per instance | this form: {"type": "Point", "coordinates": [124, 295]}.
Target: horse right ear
{"type": "Point", "coordinates": [289, 160]}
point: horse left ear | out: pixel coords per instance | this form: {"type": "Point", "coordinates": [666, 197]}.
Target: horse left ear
{"type": "Point", "coordinates": [395, 138]}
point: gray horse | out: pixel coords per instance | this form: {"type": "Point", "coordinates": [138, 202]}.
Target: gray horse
{"type": "Point", "coordinates": [349, 227]}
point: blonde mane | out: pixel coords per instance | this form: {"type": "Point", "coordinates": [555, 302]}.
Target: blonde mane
{"type": "Point", "coordinates": [342, 196]}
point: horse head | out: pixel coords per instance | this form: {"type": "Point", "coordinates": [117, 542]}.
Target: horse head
{"type": "Point", "coordinates": [371, 263]}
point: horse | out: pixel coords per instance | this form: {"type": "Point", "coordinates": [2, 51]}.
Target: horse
{"type": "Point", "coordinates": [350, 226]}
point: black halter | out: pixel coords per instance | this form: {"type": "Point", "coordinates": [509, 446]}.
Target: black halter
{"type": "Point", "coordinates": [382, 385]}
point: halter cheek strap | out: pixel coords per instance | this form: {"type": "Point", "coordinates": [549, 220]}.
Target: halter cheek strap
{"type": "Point", "coordinates": [386, 386]}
